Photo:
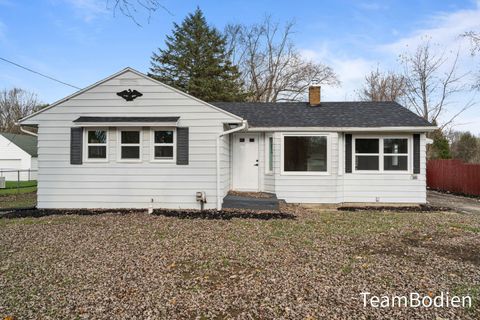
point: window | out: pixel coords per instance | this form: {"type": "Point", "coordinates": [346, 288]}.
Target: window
{"type": "Point", "coordinates": [163, 144]}
{"type": "Point", "coordinates": [367, 154]}
{"type": "Point", "coordinates": [395, 154]}
{"type": "Point", "coordinates": [96, 144]}
{"type": "Point", "coordinates": [387, 154]}
{"type": "Point", "coordinates": [305, 154]}
{"type": "Point", "coordinates": [269, 155]}
{"type": "Point", "coordinates": [130, 144]}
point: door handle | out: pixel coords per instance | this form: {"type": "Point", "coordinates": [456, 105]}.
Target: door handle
{"type": "Point", "coordinates": [256, 164]}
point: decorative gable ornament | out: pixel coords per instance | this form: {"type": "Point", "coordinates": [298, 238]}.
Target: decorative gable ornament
{"type": "Point", "coordinates": [129, 94]}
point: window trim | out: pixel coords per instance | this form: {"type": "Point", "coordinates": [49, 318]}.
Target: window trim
{"type": "Point", "coordinates": [381, 154]}
{"type": "Point", "coordinates": [153, 144]}
{"type": "Point", "coordinates": [120, 144]}
{"type": "Point", "coordinates": [267, 154]}
{"type": "Point", "coordinates": [86, 144]}
{"type": "Point", "coordinates": [305, 173]}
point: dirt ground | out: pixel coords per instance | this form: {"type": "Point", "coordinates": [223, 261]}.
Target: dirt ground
{"type": "Point", "coordinates": [458, 203]}
{"type": "Point", "coordinates": [22, 200]}
{"type": "Point", "coordinates": [313, 266]}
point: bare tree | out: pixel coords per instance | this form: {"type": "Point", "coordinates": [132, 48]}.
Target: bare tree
{"type": "Point", "coordinates": [465, 146]}
{"type": "Point", "coordinates": [272, 69]}
{"type": "Point", "coordinates": [474, 41]}
{"type": "Point", "coordinates": [130, 8]}
{"type": "Point", "coordinates": [383, 86]}
{"type": "Point", "coordinates": [474, 38]}
{"type": "Point", "coordinates": [14, 105]}
{"type": "Point", "coordinates": [431, 82]}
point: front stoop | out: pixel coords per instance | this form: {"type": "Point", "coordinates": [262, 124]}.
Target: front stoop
{"type": "Point", "coordinates": [249, 202]}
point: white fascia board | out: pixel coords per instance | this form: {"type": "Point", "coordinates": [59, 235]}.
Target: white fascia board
{"type": "Point", "coordinates": [345, 129]}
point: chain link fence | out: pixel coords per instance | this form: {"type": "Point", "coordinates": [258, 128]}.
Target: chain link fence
{"type": "Point", "coordinates": [17, 181]}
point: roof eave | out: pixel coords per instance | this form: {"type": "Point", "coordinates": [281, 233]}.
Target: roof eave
{"type": "Point", "coordinates": [349, 129]}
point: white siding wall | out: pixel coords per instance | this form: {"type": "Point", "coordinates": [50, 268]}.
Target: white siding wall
{"type": "Point", "coordinates": [269, 178]}
{"type": "Point", "coordinates": [225, 164]}
{"type": "Point", "coordinates": [338, 187]}
{"type": "Point", "coordinates": [128, 185]}
{"type": "Point", "coordinates": [34, 168]}
{"type": "Point", "coordinates": [388, 187]}
{"type": "Point", "coordinates": [306, 188]}
{"type": "Point", "coordinates": [13, 158]}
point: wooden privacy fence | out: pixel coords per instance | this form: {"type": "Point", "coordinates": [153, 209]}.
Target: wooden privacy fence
{"type": "Point", "coordinates": [454, 176]}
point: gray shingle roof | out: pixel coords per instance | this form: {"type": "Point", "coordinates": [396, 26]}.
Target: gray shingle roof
{"type": "Point", "coordinates": [25, 142]}
{"type": "Point", "coordinates": [327, 114]}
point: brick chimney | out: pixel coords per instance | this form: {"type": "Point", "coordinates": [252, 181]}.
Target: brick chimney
{"type": "Point", "coordinates": [314, 95]}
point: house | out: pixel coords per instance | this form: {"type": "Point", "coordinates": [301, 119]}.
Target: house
{"type": "Point", "coordinates": [18, 152]}
{"type": "Point", "coordinates": [129, 141]}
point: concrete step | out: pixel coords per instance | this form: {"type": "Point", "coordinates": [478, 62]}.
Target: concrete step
{"type": "Point", "coordinates": [250, 203]}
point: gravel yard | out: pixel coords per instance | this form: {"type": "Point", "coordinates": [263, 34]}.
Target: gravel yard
{"type": "Point", "coordinates": [313, 266]}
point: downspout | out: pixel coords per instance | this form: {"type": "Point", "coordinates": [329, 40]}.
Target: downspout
{"type": "Point", "coordinates": [243, 126]}
{"type": "Point", "coordinates": [28, 132]}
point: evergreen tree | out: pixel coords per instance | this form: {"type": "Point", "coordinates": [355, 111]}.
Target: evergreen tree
{"type": "Point", "coordinates": [440, 148]}
{"type": "Point", "coordinates": [196, 61]}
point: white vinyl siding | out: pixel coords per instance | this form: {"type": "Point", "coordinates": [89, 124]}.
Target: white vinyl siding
{"type": "Point", "coordinates": [115, 184]}
{"type": "Point", "coordinates": [339, 187]}
{"type": "Point", "coordinates": [390, 186]}
{"type": "Point", "coordinates": [225, 164]}
{"type": "Point", "coordinates": [306, 188]}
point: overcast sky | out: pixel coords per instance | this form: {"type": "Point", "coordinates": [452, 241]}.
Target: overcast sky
{"type": "Point", "coordinates": [82, 41]}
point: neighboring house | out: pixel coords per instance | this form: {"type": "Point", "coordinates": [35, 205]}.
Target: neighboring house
{"type": "Point", "coordinates": [18, 152]}
{"type": "Point", "coordinates": [129, 141]}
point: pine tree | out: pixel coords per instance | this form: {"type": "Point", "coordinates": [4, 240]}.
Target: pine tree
{"type": "Point", "coordinates": [196, 61]}
{"type": "Point", "coordinates": [440, 148]}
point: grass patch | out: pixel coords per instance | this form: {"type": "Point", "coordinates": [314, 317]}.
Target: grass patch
{"type": "Point", "coordinates": [14, 187]}
{"type": "Point", "coordinates": [21, 184]}
{"type": "Point", "coordinates": [465, 227]}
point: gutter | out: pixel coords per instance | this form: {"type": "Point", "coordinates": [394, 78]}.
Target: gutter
{"type": "Point", "coordinates": [243, 126]}
{"type": "Point", "coordinates": [28, 132]}
{"type": "Point", "coordinates": [345, 129]}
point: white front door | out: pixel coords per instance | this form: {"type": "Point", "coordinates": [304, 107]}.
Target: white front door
{"type": "Point", "coordinates": [245, 162]}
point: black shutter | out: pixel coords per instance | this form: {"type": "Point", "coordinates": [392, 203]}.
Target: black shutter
{"type": "Point", "coordinates": [182, 146]}
{"type": "Point", "coordinates": [416, 153]}
{"type": "Point", "coordinates": [348, 153]}
{"type": "Point", "coordinates": [76, 145]}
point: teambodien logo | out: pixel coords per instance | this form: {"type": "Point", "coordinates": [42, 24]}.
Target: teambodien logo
{"type": "Point", "coordinates": [416, 300]}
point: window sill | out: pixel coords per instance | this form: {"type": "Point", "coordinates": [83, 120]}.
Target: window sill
{"type": "Point", "coordinates": [304, 173]}
{"type": "Point", "coordinates": [95, 161]}
{"type": "Point", "coordinates": [163, 161]}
